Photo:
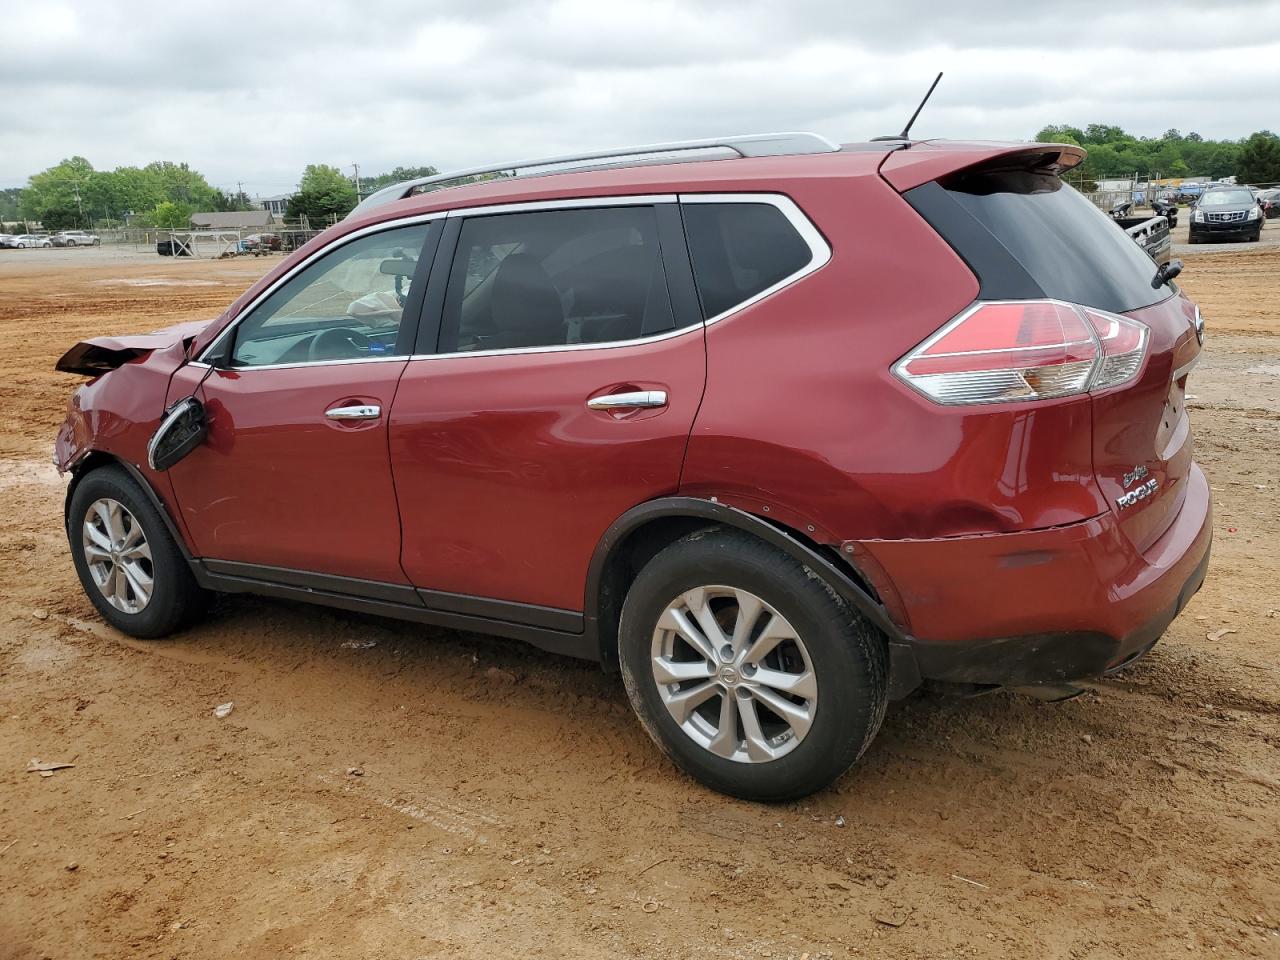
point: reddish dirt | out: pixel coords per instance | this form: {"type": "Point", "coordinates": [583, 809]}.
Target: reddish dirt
{"type": "Point", "coordinates": [393, 791]}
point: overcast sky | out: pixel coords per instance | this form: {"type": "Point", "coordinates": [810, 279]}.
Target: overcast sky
{"type": "Point", "coordinates": [253, 91]}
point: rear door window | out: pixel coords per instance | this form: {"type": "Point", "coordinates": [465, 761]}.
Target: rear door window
{"type": "Point", "coordinates": [1027, 235]}
{"type": "Point", "coordinates": [556, 278]}
{"type": "Point", "coordinates": [740, 250]}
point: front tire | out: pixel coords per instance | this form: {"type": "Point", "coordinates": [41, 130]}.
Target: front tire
{"type": "Point", "coordinates": [128, 563]}
{"type": "Point", "coordinates": [749, 672]}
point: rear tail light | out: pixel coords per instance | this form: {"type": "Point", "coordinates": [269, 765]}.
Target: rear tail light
{"type": "Point", "coordinates": [1003, 352]}
{"type": "Point", "coordinates": [1123, 343]}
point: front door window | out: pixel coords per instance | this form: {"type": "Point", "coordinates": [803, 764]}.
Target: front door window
{"type": "Point", "coordinates": [346, 306]}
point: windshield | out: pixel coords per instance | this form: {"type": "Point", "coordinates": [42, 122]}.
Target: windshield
{"type": "Point", "coordinates": [1226, 198]}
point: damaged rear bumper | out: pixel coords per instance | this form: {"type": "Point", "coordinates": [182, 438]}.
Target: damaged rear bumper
{"type": "Point", "coordinates": [1041, 607]}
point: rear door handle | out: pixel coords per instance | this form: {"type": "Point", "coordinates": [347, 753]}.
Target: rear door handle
{"type": "Point", "coordinates": [363, 411]}
{"type": "Point", "coordinates": [637, 398]}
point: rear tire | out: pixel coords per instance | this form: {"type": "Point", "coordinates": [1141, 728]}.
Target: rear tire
{"type": "Point", "coordinates": [752, 720]}
{"type": "Point", "coordinates": [128, 563]}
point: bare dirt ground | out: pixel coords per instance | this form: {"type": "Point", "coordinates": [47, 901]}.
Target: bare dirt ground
{"type": "Point", "coordinates": [506, 803]}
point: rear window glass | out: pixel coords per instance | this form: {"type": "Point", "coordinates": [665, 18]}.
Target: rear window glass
{"type": "Point", "coordinates": [740, 250]}
{"type": "Point", "coordinates": [1029, 233]}
{"type": "Point", "coordinates": [556, 278]}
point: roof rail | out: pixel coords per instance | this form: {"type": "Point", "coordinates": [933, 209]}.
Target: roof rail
{"type": "Point", "coordinates": [750, 145]}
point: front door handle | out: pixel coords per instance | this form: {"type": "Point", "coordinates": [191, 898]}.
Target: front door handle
{"type": "Point", "coordinates": [636, 398]}
{"type": "Point", "coordinates": [362, 411]}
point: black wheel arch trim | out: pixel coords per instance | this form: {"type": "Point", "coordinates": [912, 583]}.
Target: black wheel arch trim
{"type": "Point", "coordinates": [96, 459]}
{"type": "Point", "coordinates": [715, 512]}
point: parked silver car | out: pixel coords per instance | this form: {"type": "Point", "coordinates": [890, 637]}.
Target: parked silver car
{"type": "Point", "coordinates": [76, 238]}
{"type": "Point", "coordinates": [29, 240]}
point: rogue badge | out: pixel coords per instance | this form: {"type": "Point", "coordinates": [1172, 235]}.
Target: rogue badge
{"type": "Point", "coordinates": [1140, 492]}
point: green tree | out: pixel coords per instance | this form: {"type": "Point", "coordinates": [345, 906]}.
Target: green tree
{"type": "Point", "coordinates": [55, 196]}
{"type": "Point", "coordinates": [323, 193]}
{"type": "Point", "coordinates": [132, 190]}
{"type": "Point", "coordinates": [1260, 159]}
{"type": "Point", "coordinates": [72, 193]}
{"type": "Point", "coordinates": [181, 184]}
{"type": "Point", "coordinates": [1104, 133]}
{"type": "Point", "coordinates": [171, 215]}
{"type": "Point", "coordinates": [400, 174]}
{"type": "Point", "coordinates": [1058, 133]}
{"type": "Point", "coordinates": [10, 204]}
{"type": "Point", "coordinates": [1113, 153]}
{"type": "Point", "coordinates": [225, 200]}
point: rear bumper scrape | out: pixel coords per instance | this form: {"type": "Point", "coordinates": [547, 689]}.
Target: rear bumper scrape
{"type": "Point", "coordinates": [1044, 606]}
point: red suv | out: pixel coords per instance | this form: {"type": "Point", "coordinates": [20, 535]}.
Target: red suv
{"type": "Point", "coordinates": [780, 432]}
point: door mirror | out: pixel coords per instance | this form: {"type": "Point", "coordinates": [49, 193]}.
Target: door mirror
{"type": "Point", "coordinates": [181, 430]}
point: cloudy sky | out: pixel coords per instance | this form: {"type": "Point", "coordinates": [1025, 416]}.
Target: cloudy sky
{"type": "Point", "coordinates": [253, 91]}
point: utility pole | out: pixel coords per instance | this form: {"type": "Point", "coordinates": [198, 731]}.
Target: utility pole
{"type": "Point", "coordinates": [356, 168]}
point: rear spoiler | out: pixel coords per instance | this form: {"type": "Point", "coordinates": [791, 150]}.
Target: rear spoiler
{"type": "Point", "coordinates": [929, 160]}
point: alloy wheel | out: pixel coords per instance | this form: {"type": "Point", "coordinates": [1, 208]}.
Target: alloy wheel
{"type": "Point", "coordinates": [734, 674]}
{"type": "Point", "coordinates": [118, 555]}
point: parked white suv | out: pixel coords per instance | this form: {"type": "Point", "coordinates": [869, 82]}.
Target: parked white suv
{"type": "Point", "coordinates": [77, 238]}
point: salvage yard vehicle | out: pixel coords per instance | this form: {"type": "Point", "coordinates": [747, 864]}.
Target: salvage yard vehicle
{"type": "Point", "coordinates": [1167, 209]}
{"type": "Point", "coordinates": [1150, 233]}
{"type": "Point", "coordinates": [25, 240]}
{"type": "Point", "coordinates": [170, 247]}
{"type": "Point", "coordinates": [1226, 213]}
{"type": "Point", "coordinates": [1269, 200]}
{"type": "Point", "coordinates": [780, 432]}
{"type": "Point", "coordinates": [260, 243]}
{"type": "Point", "coordinates": [76, 238]}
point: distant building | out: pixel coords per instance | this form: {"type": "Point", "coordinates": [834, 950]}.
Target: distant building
{"type": "Point", "coordinates": [274, 205]}
{"type": "Point", "coordinates": [233, 220]}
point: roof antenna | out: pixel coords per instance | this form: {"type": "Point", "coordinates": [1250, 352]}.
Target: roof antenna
{"type": "Point", "coordinates": [907, 129]}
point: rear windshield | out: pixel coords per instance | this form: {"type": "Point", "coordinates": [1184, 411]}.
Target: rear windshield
{"type": "Point", "coordinates": [1028, 234]}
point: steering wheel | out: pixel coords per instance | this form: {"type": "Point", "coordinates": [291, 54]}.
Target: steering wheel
{"type": "Point", "coordinates": [340, 343]}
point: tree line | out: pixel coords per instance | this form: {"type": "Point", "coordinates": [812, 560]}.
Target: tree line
{"type": "Point", "coordinates": [1115, 154]}
{"type": "Point", "coordinates": [165, 194]}
{"type": "Point", "coordinates": [74, 194]}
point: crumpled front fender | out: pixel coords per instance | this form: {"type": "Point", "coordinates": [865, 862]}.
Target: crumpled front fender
{"type": "Point", "coordinates": [117, 412]}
